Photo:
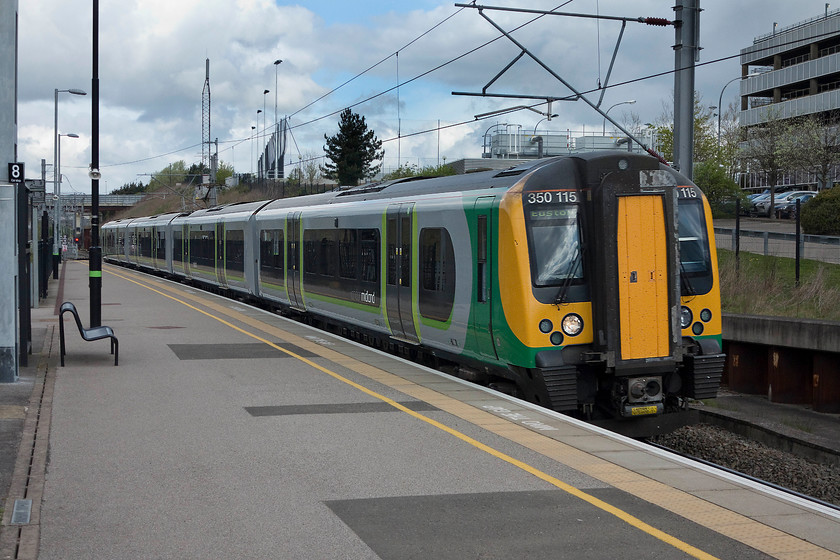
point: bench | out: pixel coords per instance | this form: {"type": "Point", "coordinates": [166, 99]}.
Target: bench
{"type": "Point", "coordinates": [91, 334]}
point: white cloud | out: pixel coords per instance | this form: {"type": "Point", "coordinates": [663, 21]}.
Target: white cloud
{"type": "Point", "coordinates": [152, 55]}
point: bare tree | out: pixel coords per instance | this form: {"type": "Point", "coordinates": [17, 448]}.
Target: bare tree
{"type": "Point", "coordinates": [311, 168]}
{"type": "Point", "coordinates": [766, 149]}
{"type": "Point", "coordinates": [816, 147]}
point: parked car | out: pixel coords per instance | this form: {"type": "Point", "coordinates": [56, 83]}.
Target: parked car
{"type": "Point", "coordinates": [787, 209]}
{"type": "Point", "coordinates": [763, 207]}
{"type": "Point", "coordinates": [746, 204]}
{"type": "Point", "coordinates": [752, 207]}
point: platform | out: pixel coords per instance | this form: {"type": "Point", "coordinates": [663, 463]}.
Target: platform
{"type": "Point", "coordinates": [230, 432]}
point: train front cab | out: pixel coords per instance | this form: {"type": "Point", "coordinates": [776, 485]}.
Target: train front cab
{"type": "Point", "coordinates": [590, 286]}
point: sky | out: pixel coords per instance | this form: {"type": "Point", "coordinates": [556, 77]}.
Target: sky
{"type": "Point", "coordinates": [152, 69]}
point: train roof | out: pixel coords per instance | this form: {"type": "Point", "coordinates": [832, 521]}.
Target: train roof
{"type": "Point", "coordinates": [418, 186]}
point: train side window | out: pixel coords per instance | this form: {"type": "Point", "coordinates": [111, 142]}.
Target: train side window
{"type": "Point", "coordinates": [310, 253]}
{"type": "Point", "coordinates": [271, 255]}
{"type": "Point", "coordinates": [369, 254]}
{"type": "Point", "coordinates": [177, 245]}
{"type": "Point", "coordinates": [437, 274]}
{"type": "Point", "coordinates": [145, 244]}
{"type": "Point", "coordinates": [348, 254]}
{"type": "Point", "coordinates": [203, 248]}
{"type": "Point", "coordinates": [481, 258]}
{"type": "Point", "coordinates": [235, 250]}
{"type": "Point", "coordinates": [160, 243]}
{"type": "Point", "coordinates": [326, 257]}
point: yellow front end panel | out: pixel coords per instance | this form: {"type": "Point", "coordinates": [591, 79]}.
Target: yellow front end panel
{"type": "Point", "coordinates": [643, 277]}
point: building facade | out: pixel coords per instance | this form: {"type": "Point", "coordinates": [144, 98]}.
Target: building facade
{"type": "Point", "coordinates": [795, 71]}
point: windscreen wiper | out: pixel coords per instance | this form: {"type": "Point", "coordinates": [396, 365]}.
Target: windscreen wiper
{"type": "Point", "coordinates": [567, 281]}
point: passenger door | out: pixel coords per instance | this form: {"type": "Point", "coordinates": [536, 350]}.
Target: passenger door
{"type": "Point", "coordinates": [643, 277]}
{"type": "Point", "coordinates": [483, 287]}
{"type": "Point", "coordinates": [293, 287]}
{"type": "Point", "coordinates": [220, 253]}
{"type": "Point", "coordinates": [398, 274]}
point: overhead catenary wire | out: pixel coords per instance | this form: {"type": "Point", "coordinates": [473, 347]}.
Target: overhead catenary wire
{"type": "Point", "coordinates": [238, 141]}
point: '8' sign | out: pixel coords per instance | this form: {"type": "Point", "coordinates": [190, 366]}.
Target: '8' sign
{"type": "Point", "coordinates": [16, 174]}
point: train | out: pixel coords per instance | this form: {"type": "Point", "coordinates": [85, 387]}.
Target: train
{"type": "Point", "coordinates": [586, 283]}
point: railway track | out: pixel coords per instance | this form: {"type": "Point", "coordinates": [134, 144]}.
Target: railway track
{"type": "Point", "coordinates": [719, 448]}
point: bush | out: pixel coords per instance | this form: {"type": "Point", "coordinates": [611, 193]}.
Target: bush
{"type": "Point", "coordinates": [821, 214]}
{"type": "Point", "coordinates": [719, 188]}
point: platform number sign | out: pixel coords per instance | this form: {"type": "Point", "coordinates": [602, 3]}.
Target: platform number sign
{"type": "Point", "coordinates": [16, 174]}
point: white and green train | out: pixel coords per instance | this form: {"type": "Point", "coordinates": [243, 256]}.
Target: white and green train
{"type": "Point", "coordinates": [586, 283]}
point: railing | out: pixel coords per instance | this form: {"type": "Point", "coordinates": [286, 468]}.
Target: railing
{"type": "Point", "coordinates": [815, 247]}
{"type": "Point", "coordinates": [802, 23]}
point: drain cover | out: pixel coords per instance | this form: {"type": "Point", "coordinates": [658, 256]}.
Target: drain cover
{"type": "Point", "coordinates": [22, 511]}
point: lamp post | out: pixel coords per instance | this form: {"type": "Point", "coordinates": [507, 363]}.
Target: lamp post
{"type": "Point", "coordinates": [265, 130]}
{"type": "Point", "coordinates": [604, 126]}
{"type": "Point", "coordinates": [538, 123]}
{"type": "Point", "coordinates": [720, 99]}
{"type": "Point", "coordinates": [253, 133]}
{"type": "Point", "coordinates": [58, 210]}
{"type": "Point", "coordinates": [257, 135]}
{"type": "Point", "coordinates": [277, 140]}
{"type": "Point", "coordinates": [57, 180]}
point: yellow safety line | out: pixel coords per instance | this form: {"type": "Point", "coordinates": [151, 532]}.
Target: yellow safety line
{"type": "Point", "coordinates": [600, 504]}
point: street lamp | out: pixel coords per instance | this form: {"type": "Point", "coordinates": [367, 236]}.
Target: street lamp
{"type": "Point", "coordinates": [58, 210]}
{"type": "Point", "coordinates": [604, 126]}
{"type": "Point", "coordinates": [276, 144]}
{"type": "Point", "coordinates": [484, 136]}
{"type": "Point", "coordinates": [257, 135]}
{"type": "Point", "coordinates": [265, 130]}
{"type": "Point", "coordinates": [541, 120]}
{"type": "Point", "coordinates": [720, 100]}
{"type": "Point", "coordinates": [57, 179]}
{"type": "Point", "coordinates": [253, 133]}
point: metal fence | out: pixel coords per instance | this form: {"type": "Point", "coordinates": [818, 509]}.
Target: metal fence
{"type": "Point", "coordinates": [779, 244]}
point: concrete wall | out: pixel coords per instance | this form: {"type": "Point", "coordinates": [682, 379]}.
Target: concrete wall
{"type": "Point", "coordinates": [794, 361]}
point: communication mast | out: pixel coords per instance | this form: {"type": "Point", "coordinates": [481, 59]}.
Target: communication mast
{"type": "Point", "coordinates": [205, 119]}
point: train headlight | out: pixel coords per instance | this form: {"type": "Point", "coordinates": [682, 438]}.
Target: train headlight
{"type": "Point", "coordinates": [572, 324]}
{"type": "Point", "coordinates": [706, 315]}
{"type": "Point", "coordinates": [697, 328]}
{"type": "Point", "coordinates": [556, 338]}
{"type": "Point", "coordinates": [546, 326]}
{"type": "Point", "coordinates": [685, 317]}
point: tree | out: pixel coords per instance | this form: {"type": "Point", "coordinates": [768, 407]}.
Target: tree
{"type": "Point", "coordinates": [352, 152]}
{"type": "Point", "coordinates": [716, 183]}
{"type": "Point", "coordinates": [816, 147]}
{"type": "Point", "coordinates": [409, 170]}
{"type": "Point", "coordinates": [311, 169]}
{"type": "Point", "coordinates": [224, 171]}
{"type": "Point", "coordinates": [131, 188]}
{"type": "Point", "coordinates": [705, 132]}
{"type": "Point", "coordinates": [767, 149]}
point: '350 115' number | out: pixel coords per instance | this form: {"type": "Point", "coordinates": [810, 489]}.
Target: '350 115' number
{"type": "Point", "coordinates": [548, 197]}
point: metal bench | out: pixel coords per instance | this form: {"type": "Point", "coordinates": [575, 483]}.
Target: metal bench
{"type": "Point", "coordinates": [94, 333]}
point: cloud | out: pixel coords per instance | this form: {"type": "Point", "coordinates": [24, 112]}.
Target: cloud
{"type": "Point", "coordinates": [152, 69]}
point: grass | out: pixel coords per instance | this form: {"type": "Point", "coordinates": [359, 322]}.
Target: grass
{"type": "Point", "coordinates": [767, 286]}
{"type": "Point", "coordinates": [802, 425]}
